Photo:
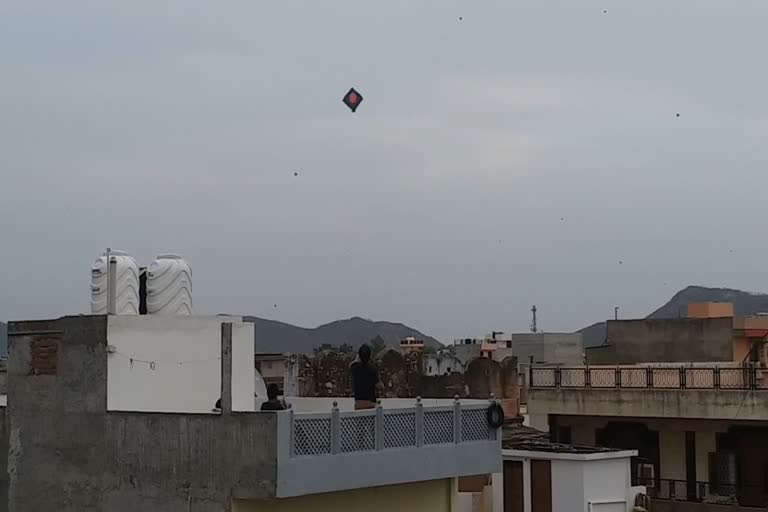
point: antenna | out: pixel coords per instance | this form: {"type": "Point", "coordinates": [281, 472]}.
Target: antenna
{"type": "Point", "coordinates": [534, 326]}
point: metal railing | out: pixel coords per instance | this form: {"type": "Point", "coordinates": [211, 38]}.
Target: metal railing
{"type": "Point", "coordinates": [683, 490]}
{"type": "Point", "coordinates": [381, 429]}
{"type": "Point", "coordinates": [679, 490]}
{"type": "Point", "coordinates": [649, 377]}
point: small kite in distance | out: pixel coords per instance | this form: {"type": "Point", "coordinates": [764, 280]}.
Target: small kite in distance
{"type": "Point", "coordinates": [352, 99]}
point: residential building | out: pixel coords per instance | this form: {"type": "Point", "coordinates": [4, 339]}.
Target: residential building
{"type": "Point", "coordinates": [543, 348]}
{"type": "Point", "coordinates": [665, 340]}
{"type": "Point", "coordinates": [411, 344]}
{"type": "Point", "coordinates": [710, 333]}
{"type": "Point", "coordinates": [117, 413]}
{"type": "Point", "coordinates": [710, 310]}
{"type": "Point", "coordinates": [271, 367]}
{"type": "Point", "coordinates": [442, 363]}
{"type": "Point", "coordinates": [467, 349]}
{"type": "Point", "coordinates": [700, 429]}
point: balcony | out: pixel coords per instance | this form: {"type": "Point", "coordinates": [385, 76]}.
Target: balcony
{"type": "Point", "coordinates": [683, 496]}
{"type": "Point", "coordinates": [659, 390]}
{"type": "Point", "coordinates": [333, 451]}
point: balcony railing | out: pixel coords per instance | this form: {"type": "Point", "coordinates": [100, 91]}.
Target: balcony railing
{"type": "Point", "coordinates": [383, 429]}
{"type": "Point", "coordinates": [650, 377]}
{"type": "Point", "coordinates": [683, 490]}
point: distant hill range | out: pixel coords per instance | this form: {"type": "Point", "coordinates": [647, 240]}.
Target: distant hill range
{"type": "Point", "coordinates": [273, 336]}
{"type": "Point", "coordinates": [744, 303]}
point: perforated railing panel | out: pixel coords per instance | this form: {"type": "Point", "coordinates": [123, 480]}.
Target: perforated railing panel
{"type": "Point", "coordinates": [399, 429]}
{"type": "Point", "coordinates": [438, 427]}
{"type": "Point", "coordinates": [312, 436]}
{"type": "Point", "coordinates": [358, 433]}
{"type": "Point", "coordinates": [474, 425]}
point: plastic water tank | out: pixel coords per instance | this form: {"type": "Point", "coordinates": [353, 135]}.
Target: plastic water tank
{"type": "Point", "coordinates": [169, 286]}
{"type": "Point", "coordinates": [126, 284]}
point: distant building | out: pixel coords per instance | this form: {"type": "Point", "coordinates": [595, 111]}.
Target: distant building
{"type": "Point", "coordinates": [272, 369]}
{"type": "Point", "coordinates": [411, 344]}
{"type": "Point", "coordinates": [442, 363]}
{"type": "Point", "coordinates": [710, 310]}
{"type": "Point", "coordinates": [544, 348]}
{"type": "Point", "coordinates": [710, 333]}
{"type": "Point", "coordinates": [467, 349]}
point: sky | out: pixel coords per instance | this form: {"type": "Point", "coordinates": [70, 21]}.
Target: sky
{"type": "Point", "coordinates": [530, 152]}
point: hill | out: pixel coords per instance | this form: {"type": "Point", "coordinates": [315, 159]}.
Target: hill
{"type": "Point", "coordinates": [744, 303]}
{"type": "Point", "coordinates": [273, 336]}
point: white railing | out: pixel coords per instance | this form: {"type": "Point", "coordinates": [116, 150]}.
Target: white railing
{"type": "Point", "coordinates": [383, 429]}
{"type": "Point", "coordinates": [667, 376]}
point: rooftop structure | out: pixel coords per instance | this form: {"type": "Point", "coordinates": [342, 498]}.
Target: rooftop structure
{"type": "Point", "coordinates": [542, 475]}
{"type": "Point", "coordinates": [117, 413]}
{"type": "Point", "coordinates": [710, 333]}
{"type": "Point", "coordinates": [701, 429]}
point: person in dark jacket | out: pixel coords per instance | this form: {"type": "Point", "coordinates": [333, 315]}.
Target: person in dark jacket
{"type": "Point", "coordinates": [274, 403]}
{"type": "Point", "coordinates": [365, 379]}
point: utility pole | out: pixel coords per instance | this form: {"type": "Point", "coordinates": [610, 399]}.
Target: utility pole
{"type": "Point", "coordinates": [616, 312]}
{"type": "Point", "coordinates": [534, 326]}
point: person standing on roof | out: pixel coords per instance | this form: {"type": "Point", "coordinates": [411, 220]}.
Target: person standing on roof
{"type": "Point", "coordinates": [365, 380]}
{"type": "Point", "coordinates": [274, 403]}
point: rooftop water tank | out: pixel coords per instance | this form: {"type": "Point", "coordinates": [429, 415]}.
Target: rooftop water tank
{"type": "Point", "coordinates": [126, 285]}
{"type": "Point", "coordinates": [169, 286]}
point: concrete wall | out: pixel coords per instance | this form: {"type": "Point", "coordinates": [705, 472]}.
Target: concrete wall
{"type": "Point", "coordinates": [578, 482]}
{"type": "Point", "coordinates": [562, 348]}
{"type": "Point", "coordinates": [4, 459]}
{"type": "Point", "coordinates": [68, 454]}
{"type": "Point", "coordinates": [650, 403]}
{"type": "Point", "coordinates": [163, 364]}
{"type": "Point", "coordinates": [666, 340]}
{"type": "Point", "coordinates": [568, 493]}
{"type": "Point", "coordinates": [607, 485]}
{"type": "Point", "coordinates": [431, 496]}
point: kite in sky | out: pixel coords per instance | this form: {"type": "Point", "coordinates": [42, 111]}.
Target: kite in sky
{"type": "Point", "coordinates": [352, 99]}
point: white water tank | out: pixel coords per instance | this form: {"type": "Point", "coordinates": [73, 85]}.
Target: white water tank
{"type": "Point", "coordinates": [169, 286]}
{"type": "Point", "coordinates": [126, 285]}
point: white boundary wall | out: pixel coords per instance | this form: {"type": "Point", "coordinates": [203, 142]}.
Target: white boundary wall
{"type": "Point", "coordinates": [173, 364]}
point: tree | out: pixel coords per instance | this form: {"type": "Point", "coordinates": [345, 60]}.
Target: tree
{"type": "Point", "coordinates": [377, 344]}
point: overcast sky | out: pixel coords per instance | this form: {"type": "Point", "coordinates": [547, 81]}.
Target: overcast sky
{"type": "Point", "coordinates": [512, 158]}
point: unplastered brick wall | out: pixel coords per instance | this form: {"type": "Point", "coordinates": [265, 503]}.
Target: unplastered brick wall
{"type": "Point", "coordinates": [45, 354]}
